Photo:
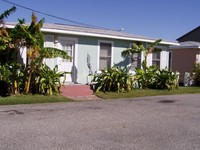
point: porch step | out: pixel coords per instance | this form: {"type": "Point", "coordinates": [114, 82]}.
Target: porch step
{"type": "Point", "coordinates": [78, 92]}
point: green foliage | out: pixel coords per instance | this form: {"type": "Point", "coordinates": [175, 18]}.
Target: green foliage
{"type": "Point", "coordinates": [196, 70]}
{"type": "Point", "coordinates": [145, 78]}
{"type": "Point", "coordinates": [165, 79]}
{"type": "Point", "coordinates": [12, 75]}
{"type": "Point", "coordinates": [4, 35]}
{"type": "Point", "coordinates": [35, 77]}
{"type": "Point", "coordinates": [154, 78]}
{"type": "Point", "coordinates": [48, 80]}
{"type": "Point", "coordinates": [140, 48]}
{"type": "Point", "coordinates": [7, 13]}
{"type": "Point", "coordinates": [5, 82]}
{"type": "Point", "coordinates": [114, 79]}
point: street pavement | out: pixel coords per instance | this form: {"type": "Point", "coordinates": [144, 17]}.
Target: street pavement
{"type": "Point", "coordinates": [149, 123]}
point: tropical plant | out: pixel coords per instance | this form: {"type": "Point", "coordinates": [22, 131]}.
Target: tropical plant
{"type": "Point", "coordinates": [5, 83]}
{"type": "Point", "coordinates": [196, 71]}
{"type": "Point", "coordinates": [114, 79]}
{"type": "Point", "coordinates": [140, 48]}
{"type": "Point", "coordinates": [165, 79]}
{"type": "Point", "coordinates": [7, 13]}
{"type": "Point", "coordinates": [154, 78]}
{"type": "Point", "coordinates": [48, 80]}
{"type": "Point", "coordinates": [13, 75]}
{"type": "Point", "coordinates": [144, 79]}
{"type": "Point", "coordinates": [32, 37]}
{"type": "Point", "coordinates": [5, 39]}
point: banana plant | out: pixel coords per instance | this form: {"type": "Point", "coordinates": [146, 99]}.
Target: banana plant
{"type": "Point", "coordinates": [32, 37]}
{"type": "Point", "coordinates": [114, 79]}
{"type": "Point", "coordinates": [48, 80]}
{"type": "Point", "coordinates": [5, 39]}
{"type": "Point", "coordinates": [140, 48]}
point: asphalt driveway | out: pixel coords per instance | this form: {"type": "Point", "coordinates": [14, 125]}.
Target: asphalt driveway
{"type": "Point", "coordinates": [151, 123]}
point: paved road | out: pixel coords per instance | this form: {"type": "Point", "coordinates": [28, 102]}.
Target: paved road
{"type": "Point", "coordinates": [151, 123]}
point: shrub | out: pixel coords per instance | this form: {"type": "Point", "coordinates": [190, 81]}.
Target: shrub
{"type": "Point", "coordinates": [196, 70]}
{"type": "Point", "coordinates": [114, 79]}
{"type": "Point", "coordinates": [145, 78]}
{"type": "Point", "coordinates": [154, 78]}
{"type": "Point", "coordinates": [165, 79]}
{"type": "Point", "coordinates": [48, 80]}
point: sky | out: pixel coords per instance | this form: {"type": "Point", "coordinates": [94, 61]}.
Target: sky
{"type": "Point", "coordinates": [161, 19]}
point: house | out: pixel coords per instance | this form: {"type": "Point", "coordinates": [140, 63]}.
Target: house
{"type": "Point", "coordinates": [187, 53]}
{"type": "Point", "coordinates": [93, 49]}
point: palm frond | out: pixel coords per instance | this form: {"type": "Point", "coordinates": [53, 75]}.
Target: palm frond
{"type": "Point", "coordinates": [49, 52]}
{"type": "Point", "coordinates": [7, 13]}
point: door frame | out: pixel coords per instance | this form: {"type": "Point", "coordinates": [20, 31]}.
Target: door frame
{"type": "Point", "coordinates": [75, 53]}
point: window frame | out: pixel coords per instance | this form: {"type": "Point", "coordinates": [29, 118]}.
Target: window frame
{"type": "Point", "coordinates": [156, 60]}
{"type": "Point", "coordinates": [99, 48]}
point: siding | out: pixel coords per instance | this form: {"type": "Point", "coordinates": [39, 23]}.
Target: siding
{"type": "Point", "coordinates": [183, 60]}
{"type": "Point", "coordinates": [89, 46]}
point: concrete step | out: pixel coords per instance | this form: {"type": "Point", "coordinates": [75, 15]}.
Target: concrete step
{"type": "Point", "coordinates": [76, 91]}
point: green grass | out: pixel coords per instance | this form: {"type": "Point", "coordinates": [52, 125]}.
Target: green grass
{"type": "Point", "coordinates": [147, 92]}
{"type": "Point", "coordinates": [32, 99]}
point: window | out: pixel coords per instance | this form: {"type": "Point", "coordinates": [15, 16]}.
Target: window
{"type": "Point", "coordinates": [68, 48]}
{"type": "Point", "coordinates": [156, 59]}
{"type": "Point", "coordinates": [105, 55]}
{"type": "Point", "coordinates": [135, 61]}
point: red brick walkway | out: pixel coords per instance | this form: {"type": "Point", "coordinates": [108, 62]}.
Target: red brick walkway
{"type": "Point", "coordinates": [78, 92]}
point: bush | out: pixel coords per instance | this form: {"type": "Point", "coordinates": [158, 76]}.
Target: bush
{"type": "Point", "coordinates": [114, 79]}
{"type": "Point", "coordinates": [154, 78]}
{"type": "Point", "coordinates": [165, 79]}
{"type": "Point", "coordinates": [196, 70]}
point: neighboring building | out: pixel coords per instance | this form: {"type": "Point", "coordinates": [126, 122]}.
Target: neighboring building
{"type": "Point", "coordinates": [191, 36]}
{"type": "Point", "coordinates": [93, 49]}
{"type": "Point", "coordinates": [187, 54]}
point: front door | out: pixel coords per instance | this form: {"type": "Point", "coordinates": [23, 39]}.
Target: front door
{"type": "Point", "coordinates": [65, 64]}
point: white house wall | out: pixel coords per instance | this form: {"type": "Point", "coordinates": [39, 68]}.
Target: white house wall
{"type": "Point", "coordinates": [22, 55]}
{"type": "Point", "coordinates": [50, 42]}
{"type": "Point", "coordinates": [89, 46]}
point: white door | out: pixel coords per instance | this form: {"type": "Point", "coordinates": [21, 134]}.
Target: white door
{"type": "Point", "coordinates": [65, 64]}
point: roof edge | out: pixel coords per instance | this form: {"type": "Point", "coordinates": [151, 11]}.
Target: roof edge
{"type": "Point", "coordinates": [101, 35]}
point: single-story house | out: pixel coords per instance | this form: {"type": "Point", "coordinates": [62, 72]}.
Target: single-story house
{"type": "Point", "coordinates": [187, 53]}
{"type": "Point", "coordinates": [93, 49]}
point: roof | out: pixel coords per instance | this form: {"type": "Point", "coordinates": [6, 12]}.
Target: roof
{"type": "Point", "coordinates": [94, 32]}
{"type": "Point", "coordinates": [187, 44]}
{"type": "Point", "coordinates": [197, 28]}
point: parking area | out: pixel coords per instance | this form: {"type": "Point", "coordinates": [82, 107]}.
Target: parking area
{"type": "Point", "coordinates": [149, 123]}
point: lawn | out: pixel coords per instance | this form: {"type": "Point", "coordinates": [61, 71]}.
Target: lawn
{"type": "Point", "coordinates": [148, 92]}
{"type": "Point", "coordinates": [32, 99]}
